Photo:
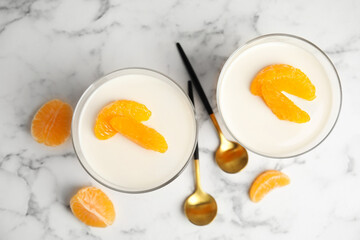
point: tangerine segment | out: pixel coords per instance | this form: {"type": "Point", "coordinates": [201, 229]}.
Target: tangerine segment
{"type": "Point", "coordinates": [93, 207]}
{"type": "Point", "coordinates": [265, 182]}
{"type": "Point", "coordinates": [285, 78]}
{"type": "Point", "coordinates": [137, 132]}
{"type": "Point", "coordinates": [51, 124]}
{"type": "Point", "coordinates": [282, 106]}
{"type": "Point", "coordinates": [103, 129]}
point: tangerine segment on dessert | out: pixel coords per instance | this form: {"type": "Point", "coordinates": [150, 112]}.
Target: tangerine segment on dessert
{"type": "Point", "coordinates": [282, 106]}
{"type": "Point", "coordinates": [137, 132]}
{"type": "Point", "coordinates": [285, 78]}
{"type": "Point", "coordinates": [265, 182]}
{"type": "Point", "coordinates": [93, 207]}
{"type": "Point", "coordinates": [138, 111]}
{"type": "Point", "coordinates": [51, 124]}
{"type": "Point", "coordinates": [272, 80]}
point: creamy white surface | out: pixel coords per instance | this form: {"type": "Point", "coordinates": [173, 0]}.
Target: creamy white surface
{"type": "Point", "coordinates": [249, 119]}
{"type": "Point", "coordinates": [120, 161]}
{"type": "Point", "coordinates": [58, 48]}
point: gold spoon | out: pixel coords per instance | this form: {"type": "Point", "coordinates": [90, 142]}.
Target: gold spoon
{"type": "Point", "coordinates": [230, 156]}
{"type": "Point", "coordinates": [200, 208]}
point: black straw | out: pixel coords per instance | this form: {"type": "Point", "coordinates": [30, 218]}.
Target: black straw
{"type": "Point", "coordinates": [191, 95]}
{"type": "Point", "coordinates": [194, 79]}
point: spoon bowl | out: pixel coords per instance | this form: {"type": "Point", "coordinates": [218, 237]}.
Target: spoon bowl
{"type": "Point", "coordinates": [231, 157]}
{"type": "Point", "coordinates": [200, 208]}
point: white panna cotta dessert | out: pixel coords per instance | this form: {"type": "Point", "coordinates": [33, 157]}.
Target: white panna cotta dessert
{"type": "Point", "coordinates": [120, 163]}
{"type": "Point", "coordinates": [252, 123]}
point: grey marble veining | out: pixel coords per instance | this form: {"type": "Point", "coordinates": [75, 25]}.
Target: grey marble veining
{"type": "Point", "coordinates": [57, 48]}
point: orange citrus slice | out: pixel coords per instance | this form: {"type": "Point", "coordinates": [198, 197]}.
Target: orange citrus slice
{"type": "Point", "coordinates": [272, 80]}
{"type": "Point", "coordinates": [137, 132]}
{"type": "Point", "coordinates": [282, 106]}
{"type": "Point", "coordinates": [103, 129]}
{"type": "Point", "coordinates": [51, 124]}
{"type": "Point", "coordinates": [285, 78]}
{"type": "Point", "coordinates": [265, 182]}
{"type": "Point", "coordinates": [93, 207]}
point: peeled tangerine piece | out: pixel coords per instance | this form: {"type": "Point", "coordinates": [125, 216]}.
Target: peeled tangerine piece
{"type": "Point", "coordinates": [93, 207]}
{"type": "Point", "coordinates": [265, 182]}
{"type": "Point", "coordinates": [135, 110]}
{"type": "Point", "coordinates": [51, 124]}
{"type": "Point", "coordinates": [137, 132]}
{"type": "Point", "coordinates": [285, 78]}
{"type": "Point", "coordinates": [272, 80]}
{"type": "Point", "coordinates": [282, 106]}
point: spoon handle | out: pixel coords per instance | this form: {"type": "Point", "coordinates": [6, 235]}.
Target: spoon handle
{"type": "Point", "coordinates": [191, 96]}
{"type": "Point", "coordinates": [195, 79]}
{"type": "Point", "coordinates": [196, 152]}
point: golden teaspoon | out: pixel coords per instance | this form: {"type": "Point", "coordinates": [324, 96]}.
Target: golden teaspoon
{"type": "Point", "coordinates": [230, 156]}
{"type": "Point", "coordinates": [200, 208]}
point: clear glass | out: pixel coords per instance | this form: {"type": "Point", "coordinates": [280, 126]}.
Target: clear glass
{"type": "Point", "coordinates": [76, 119]}
{"type": "Point", "coordinates": [308, 46]}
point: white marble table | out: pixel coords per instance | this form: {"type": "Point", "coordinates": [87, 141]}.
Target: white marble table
{"type": "Point", "coordinates": [55, 49]}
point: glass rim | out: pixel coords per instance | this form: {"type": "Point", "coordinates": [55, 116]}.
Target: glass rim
{"type": "Point", "coordinates": [246, 44]}
{"type": "Point", "coordinates": [75, 121]}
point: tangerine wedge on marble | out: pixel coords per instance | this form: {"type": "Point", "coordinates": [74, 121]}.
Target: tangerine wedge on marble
{"type": "Point", "coordinates": [140, 134]}
{"type": "Point", "coordinates": [93, 207]}
{"type": "Point", "coordinates": [128, 108]}
{"type": "Point", "coordinates": [272, 80]}
{"type": "Point", "coordinates": [51, 124]}
{"type": "Point", "coordinates": [266, 182]}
